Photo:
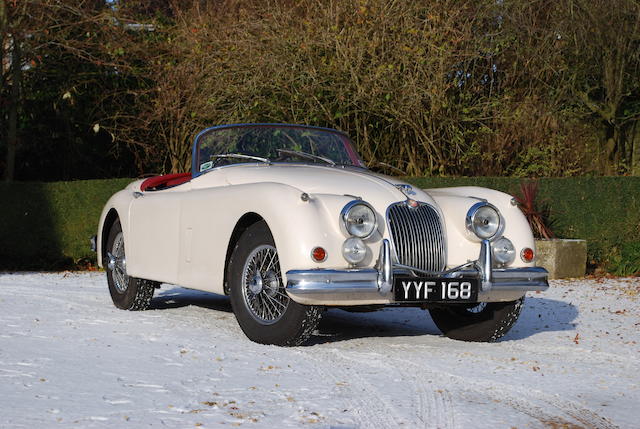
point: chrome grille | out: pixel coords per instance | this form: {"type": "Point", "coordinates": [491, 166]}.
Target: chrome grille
{"type": "Point", "coordinates": [418, 236]}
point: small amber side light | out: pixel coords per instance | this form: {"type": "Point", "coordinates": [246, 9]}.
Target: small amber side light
{"type": "Point", "coordinates": [318, 254]}
{"type": "Point", "coordinates": [527, 254]}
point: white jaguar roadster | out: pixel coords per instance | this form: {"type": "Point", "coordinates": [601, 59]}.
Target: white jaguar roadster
{"type": "Point", "coordinates": [286, 220]}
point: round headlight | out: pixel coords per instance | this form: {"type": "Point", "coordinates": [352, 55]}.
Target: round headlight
{"type": "Point", "coordinates": [354, 250]}
{"type": "Point", "coordinates": [359, 219]}
{"type": "Point", "coordinates": [484, 221]}
{"type": "Point", "coordinates": [503, 251]}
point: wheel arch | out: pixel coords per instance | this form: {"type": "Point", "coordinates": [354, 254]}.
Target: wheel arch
{"type": "Point", "coordinates": [111, 218]}
{"type": "Point", "coordinates": [241, 226]}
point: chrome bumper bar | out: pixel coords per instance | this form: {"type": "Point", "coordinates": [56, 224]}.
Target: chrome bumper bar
{"type": "Point", "coordinates": [375, 285]}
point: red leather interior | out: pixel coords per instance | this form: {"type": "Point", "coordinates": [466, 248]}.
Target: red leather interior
{"type": "Point", "coordinates": [162, 182]}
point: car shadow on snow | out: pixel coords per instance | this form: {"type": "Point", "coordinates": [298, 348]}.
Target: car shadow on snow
{"type": "Point", "coordinates": [341, 325]}
{"type": "Point", "coordinates": [543, 315]}
{"type": "Point", "coordinates": [180, 297]}
{"type": "Point", "coordinates": [539, 315]}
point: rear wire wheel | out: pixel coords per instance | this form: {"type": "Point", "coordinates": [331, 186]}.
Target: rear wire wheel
{"type": "Point", "coordinates": [260, 303]}
{"type": "Point", "coordinates": [127, 293]}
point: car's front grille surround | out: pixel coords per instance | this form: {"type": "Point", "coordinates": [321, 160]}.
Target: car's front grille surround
{"type": "Point", "coordinates": [417, 236]}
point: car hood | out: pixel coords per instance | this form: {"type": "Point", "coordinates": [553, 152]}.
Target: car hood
{"type": "Point", "coordinates": [371, 187]}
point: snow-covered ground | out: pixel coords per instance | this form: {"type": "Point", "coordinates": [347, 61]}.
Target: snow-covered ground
{"type": "Point", "coordinates": [68, 358]}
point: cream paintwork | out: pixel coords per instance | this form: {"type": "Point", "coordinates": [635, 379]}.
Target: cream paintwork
{"type": "Point", "coordinates": [464, 246]}
{"type": "Point", "coordinates": [181, 235]}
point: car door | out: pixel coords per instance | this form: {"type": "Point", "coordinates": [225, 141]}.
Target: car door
{"type": "Point", "coordinates": [207, 219]}
{"type": "Point", "coordinates": [154, 222]}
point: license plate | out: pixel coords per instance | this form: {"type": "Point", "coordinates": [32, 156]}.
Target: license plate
{"type": "Point", "coordinates": [435, 290]}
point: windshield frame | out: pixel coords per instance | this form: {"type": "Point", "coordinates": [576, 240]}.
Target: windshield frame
{"type": "Point", "coordinates": [353, 155]}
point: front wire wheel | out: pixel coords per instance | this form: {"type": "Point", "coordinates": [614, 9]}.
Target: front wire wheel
{"type": "Point", "coordinates": [263, 309]}
{"type": "Point", "coordinates": [262, 288]}
{"type": "Point", "coordinates": [117, 264]}
{"type": "Point", "coordinates": [127, 293]}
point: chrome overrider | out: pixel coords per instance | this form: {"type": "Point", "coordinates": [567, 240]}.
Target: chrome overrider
{"type": "Point", "coordinates": [375, 285]}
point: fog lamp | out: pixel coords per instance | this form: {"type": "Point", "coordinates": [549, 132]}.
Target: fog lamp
{"type": "Point", "coordinates": [354, 250]}
{"type": "Point", "coordinates": [504, 253]}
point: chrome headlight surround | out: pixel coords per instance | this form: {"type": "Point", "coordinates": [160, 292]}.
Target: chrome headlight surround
{"type": "Point", "coordinates": [358, 225]}
{"type": "Point", "coordinates": [484, 215]}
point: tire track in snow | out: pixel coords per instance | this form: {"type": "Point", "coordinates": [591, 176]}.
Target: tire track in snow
{"type": "Point", "coordinates": [368, 404]}
{"type": "Point", "coordinates": [533, 403]}
{"type": "Point", "coordinates": [434, 407]}
{"type": "Point", "coordinates": [522, 400]}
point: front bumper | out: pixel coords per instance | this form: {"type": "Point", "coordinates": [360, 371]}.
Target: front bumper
{"type": "Point", "coordinates": [375, 285]}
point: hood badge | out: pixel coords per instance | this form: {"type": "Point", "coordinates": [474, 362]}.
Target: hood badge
{"type": "Point", "coordinates": [407, 190]}
{"type": "Point", "coordinates": [412, 203]}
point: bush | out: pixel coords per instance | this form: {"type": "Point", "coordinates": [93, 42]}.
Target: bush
{"type": "Point", "coordinates": [626, 262]}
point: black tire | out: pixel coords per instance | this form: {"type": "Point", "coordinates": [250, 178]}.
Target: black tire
{"type": "Point", "coordinates": [485, 322]}
{"type": "Point", "coordinates": [127, 293]}
{"type": "Point", "coordinates": [264, 311]}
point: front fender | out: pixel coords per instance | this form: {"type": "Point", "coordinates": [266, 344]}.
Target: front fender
{"type": "Point", "coordinates": [118, 203]}
{"type": "Point", "coordinates": [209, 216]}
{"type": "Point", "coordinates": [316, 223]}
{"type": "Point", "coordinates": [455, 202]}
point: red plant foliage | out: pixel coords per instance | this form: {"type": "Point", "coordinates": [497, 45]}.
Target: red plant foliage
{"type": "Point", "coordinates": [535, 216]}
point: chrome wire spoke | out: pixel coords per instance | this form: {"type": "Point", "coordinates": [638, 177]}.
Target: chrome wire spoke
{"type": "Point", "coordinates": [264, 259]}
{"type": "Point", "coordinates": [275, 301]}
{"type": "Point", "coordinates": [275, 255]}
{"type": "Point", "coordinates": [262, 287]}
{"type": "Point", "coordinates": [283, 295]}
{"type": "Point", "coordinates": [270, 309]}
{"type": "Point", "coordinates": [117, 264]}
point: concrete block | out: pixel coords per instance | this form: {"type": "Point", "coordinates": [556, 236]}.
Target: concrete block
{"type": "Point", "coordinates": [562, 258]}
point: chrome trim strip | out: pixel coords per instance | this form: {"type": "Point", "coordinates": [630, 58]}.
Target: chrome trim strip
{"type": "Point", "coordinates": [446, 273]}
{"type": "Point", "coordinates": [485, 264]}
{"type": "Point", "coordinates": [504, 274]}
{"type": "Point", "coordinates": [327, 276]}
{"type": "Point", "coordinates": [531, 273]}
{"type": "Point", "coordinates": [385, 269]}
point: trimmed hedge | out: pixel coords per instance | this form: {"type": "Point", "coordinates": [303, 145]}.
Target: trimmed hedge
{"type": "Point", "coordinates": [48, 225]}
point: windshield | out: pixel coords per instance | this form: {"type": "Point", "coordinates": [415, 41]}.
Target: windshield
{"type": "Point", "coordinates": [270, 143]}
